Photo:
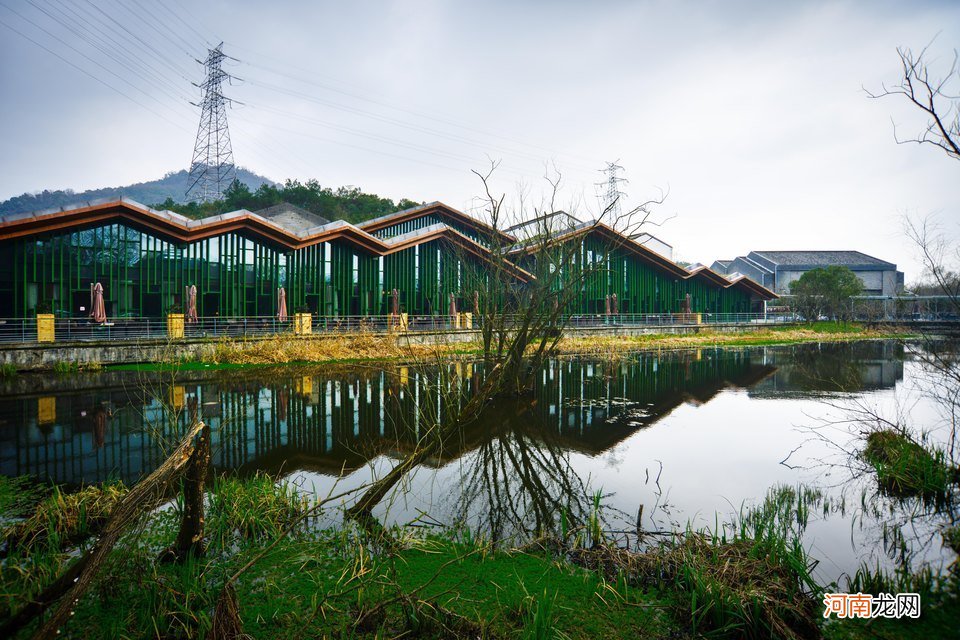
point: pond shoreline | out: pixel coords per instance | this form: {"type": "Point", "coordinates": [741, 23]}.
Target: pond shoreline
{"type": "Point", "coordinates": [243, 361]}
{"type": "Point", "coordinates": [427, 582]}
{"type": "Point", "coordinates": [367, 348]}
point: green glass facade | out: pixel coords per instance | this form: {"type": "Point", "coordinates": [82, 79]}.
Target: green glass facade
{"type": "Point", "coordinates": [640, 286]}
{"type": "Point", "coordinates": [237, 273]}
{"type": "Point", "coordinates": [145, 276]}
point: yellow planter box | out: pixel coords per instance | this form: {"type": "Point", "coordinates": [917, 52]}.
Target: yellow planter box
{"type": "Point", "coordinates": [302, 324]}
{"type": "Point", "coordinates": [45, 327]}
{"type": "Point", "coordinates": [174, 326]}
{"type": "Point", "coordinates": [466, 320]}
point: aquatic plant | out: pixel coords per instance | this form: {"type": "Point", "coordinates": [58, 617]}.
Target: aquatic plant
{"type": "Point", "coordinates": [905, 467]}
{"type": "Point", "coordinates": [951, 538]}
{"type": "Point", "coordinates": [8, 370]}
{"type": "Point", "coordinates": [902, 579]}
{"type": "Point", "coordinates": [62, 367]}
{"type": "Point", "coordinates": [255, 507]}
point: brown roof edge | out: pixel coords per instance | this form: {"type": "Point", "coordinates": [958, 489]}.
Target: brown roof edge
{"type": "Point", "coordinates": [754, 287]}
{"type": "Point", "coordinates": [391, 219]}
{"type": "Point", "coordinates": [163, 225]}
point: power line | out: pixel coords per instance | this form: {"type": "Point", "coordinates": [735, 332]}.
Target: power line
{"type": "Point", "coordinates": [87, 73]}
{"type": "Point", "coordinates": [88, 35]}
{"type": "Point", "coordinates": [81, 53]}
{"type": "Point", "coordinates": [181, 71]}
{"type": "Point", "coordinates": [392, 121]}
{"type": "Point", "coordinates": [420, 114]}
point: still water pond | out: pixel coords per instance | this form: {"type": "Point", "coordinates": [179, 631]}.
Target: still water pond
{"type": "Point", "coordinates": [694, 437]}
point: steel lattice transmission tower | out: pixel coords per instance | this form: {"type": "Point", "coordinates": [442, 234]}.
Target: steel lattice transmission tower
{"type": "Point", "coordinates": [613, 196]}
{"type": "Point", "coordinates": [212, 169]}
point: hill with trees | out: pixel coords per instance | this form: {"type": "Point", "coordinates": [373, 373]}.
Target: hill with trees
{"type": "Point", "coordinates": [249, 191]}
{"type": "Point", "coordinates": [343, 203]}
{"type": "Point", "coordinates": [172, 186]}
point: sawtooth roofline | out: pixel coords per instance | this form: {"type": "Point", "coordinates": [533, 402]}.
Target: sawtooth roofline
{"type": "Point", "coordinates": [652, 257]}
{"type": "Point", "coordinates": [431, 208]}
{"type": "Point", "coordinates": [179, 228]}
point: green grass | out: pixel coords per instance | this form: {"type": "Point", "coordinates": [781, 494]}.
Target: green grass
{"type": "Point", "coordinates": [8, 370]}
{"type": "Point", "coordinates": [906, 468]}
{"type": "Point", "coordinates": [280, 597]}
{"type": "Point", "coordinates": [939, 607]}
{"type": "Point", "coordinates": [253, 508]}
{"type": "Point", "coordinates": [753, 582]}
{"type": "Point", "coordinates": [320, 583]}
{"type": "Point", "coordinates": [62, 367]}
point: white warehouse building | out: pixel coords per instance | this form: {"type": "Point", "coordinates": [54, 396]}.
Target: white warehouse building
{"type": "Point", "coordinates": [777, 269]}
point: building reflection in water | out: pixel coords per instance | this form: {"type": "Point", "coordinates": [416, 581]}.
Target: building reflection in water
{"type": "Point", "coordinates": [308, 420]}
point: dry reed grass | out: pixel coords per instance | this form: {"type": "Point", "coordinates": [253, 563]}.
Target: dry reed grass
{"type": "Point", "coordinates": [731, 585]}
{"type": "Point", "coordinates": [285, 349]}
{"type": "Point", "coordinates": [616, 347]}
{"type": "Point", "coordinates": [360, 346]}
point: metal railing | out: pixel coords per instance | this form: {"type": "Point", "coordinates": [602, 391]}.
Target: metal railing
{"type": "Point", "coordinates": [673, 319]}
{"type": "Point", "coordinates": [24, 330]}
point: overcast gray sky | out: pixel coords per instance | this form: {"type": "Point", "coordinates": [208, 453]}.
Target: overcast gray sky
{"type": "Point", "coordinates": [752, 114]}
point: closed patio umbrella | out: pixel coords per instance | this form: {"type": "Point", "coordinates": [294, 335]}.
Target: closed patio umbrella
{"type": "Point", "coordinates": [476, 303]}
{"type": "Point", "coordinates": [191, 303]}
{"type": "Point", "coordinates": [395, 302]}
{"type": "Point", "coordinates": [453, 306]}
{"type": "Point", "coordinates": [281, 305]}
{"type": "Point", "coordinates": [614, 304]}
{"type": "Point", "coordinates": [99, 311]}
{"type": "Point", "coordinates": [606, 308]}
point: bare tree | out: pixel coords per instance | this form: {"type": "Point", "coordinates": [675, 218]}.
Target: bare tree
{"type": "Point", "coordinates": [522, 323]}
{"type": "Point", "coordinates": [939, 256]}
{"type": "Point", "coordinates": [938, 97]}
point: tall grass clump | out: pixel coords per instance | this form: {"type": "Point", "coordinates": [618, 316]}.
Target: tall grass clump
{"type": "Point", "coordinates": [906, 468]}
{"type": "Point", "coordinates": [63, 368]}
{"type": "Point", "coordinates": [8, 370]}
{"type": "Point", "coordinates": [65, 518]}
{"type": "Point", "coordinates": [902, 579]}
{"type": "Point", "coordinates": [255, 507]}
{"type": "Point", "coordinates": [539, 618]}
{"type": "Point", "coordinates": [18, 496]}
{"type": "Point", "coordinates": [755, 581]}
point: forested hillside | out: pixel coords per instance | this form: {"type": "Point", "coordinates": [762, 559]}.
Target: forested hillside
{"type": "Point", "coordinates": [172, 186]}
{"type": "Point", "coordinates": [343, 203]}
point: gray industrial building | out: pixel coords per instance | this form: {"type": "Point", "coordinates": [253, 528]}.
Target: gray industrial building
{"type": "Point", "coordinates": [777, 269]}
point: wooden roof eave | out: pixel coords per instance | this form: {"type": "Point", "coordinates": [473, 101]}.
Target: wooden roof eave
{"type": "Point", "coordinates": [435, 208]}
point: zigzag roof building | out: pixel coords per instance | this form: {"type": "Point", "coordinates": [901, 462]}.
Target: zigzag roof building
{"type": "Point", "coordinates": [145, 258]}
